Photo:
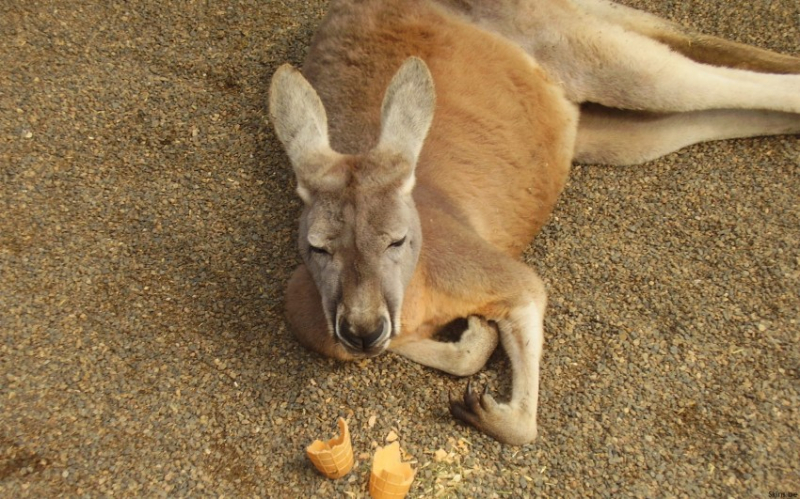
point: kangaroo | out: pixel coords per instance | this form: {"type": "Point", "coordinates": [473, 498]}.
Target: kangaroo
{"type": "Point", "coordinates": [431, 139]}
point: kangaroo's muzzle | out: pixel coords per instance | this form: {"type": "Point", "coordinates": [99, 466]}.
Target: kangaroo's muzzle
{"type": "Point", "coordinates": [361, 339]}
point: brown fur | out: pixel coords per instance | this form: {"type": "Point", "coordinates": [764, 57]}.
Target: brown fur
{"type": "Point", "coordinates": [465, 159]}
{"type": "Point", "coordinates": [508, 78]}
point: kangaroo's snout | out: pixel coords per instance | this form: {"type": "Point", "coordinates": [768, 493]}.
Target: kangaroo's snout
{"type": "Point", "coordinates": [360, 338]}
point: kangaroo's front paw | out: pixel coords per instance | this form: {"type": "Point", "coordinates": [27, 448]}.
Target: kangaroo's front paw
{"type": "Point", "coordinates": [504, 422]}
{"type": "Point", "coordinates": [480, 335]}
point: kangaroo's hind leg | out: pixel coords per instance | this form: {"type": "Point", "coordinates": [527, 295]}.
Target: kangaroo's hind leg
{"type": "Point", "coordinates": [599, 61]}
{"type": "Point", "coordinates": [619, 137]}
{"type": "Point", "coordinates": [617, 68]}
{"type": "Point", "coordinates": [699, 47]}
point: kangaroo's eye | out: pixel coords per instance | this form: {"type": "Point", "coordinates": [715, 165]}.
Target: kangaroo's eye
{"type": "Point", "coordinates": [319, 251]}
{"type": "Point", "coordinates": [398, 243]}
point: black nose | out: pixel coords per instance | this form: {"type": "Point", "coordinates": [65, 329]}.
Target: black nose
{"type": "Point", "coordinates": [363, 340]}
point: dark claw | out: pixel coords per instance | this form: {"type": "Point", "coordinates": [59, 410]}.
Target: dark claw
{"type": "Point", "coordinates": [468, 407]}
{"type": "Point", "coordinates": [462, 413]}
{"type": "Point", "coordinates": [472, 398]}
{"type": "Point", "coordinates": [452, 399]}
{"type": "Point", "coordinates": [483, 401]}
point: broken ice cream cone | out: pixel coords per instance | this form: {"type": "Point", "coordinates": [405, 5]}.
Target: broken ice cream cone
{"type": "Point", "coordinates": [391, 478]}
{"type": "Point", "coordinates": [333, 458]}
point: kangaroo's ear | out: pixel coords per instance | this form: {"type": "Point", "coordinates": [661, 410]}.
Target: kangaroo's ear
{"type": "Point", "coordinates": [407, 110]}
{"type": "Point", "coordinates": [301, 124]}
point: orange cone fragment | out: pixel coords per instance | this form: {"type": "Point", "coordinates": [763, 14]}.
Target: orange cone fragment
{"type": "Point", "coordinates": [391, 478]}
{"type": "Point", "coordinates": [333, 458]}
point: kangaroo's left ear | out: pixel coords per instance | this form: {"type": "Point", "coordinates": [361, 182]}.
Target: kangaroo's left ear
{"type": "Point", "coordinates": [407, 111]}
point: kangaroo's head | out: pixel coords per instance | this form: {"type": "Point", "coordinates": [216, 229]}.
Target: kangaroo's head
{"type": "Point", "coordinates": [359, 233]}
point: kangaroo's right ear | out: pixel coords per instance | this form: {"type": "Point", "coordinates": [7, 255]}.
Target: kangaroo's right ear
{"type": "Point", "coordinates": [301, 124]}
{"type": "Point", "coordinates": [407, 110]}
{"type": "Point", "coordinates": [406, 115]}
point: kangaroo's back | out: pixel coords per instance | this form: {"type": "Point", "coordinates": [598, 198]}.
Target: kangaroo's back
{"type": "Point", "coordinates": [502, 134]}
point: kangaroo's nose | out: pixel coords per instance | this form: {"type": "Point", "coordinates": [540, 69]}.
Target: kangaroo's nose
{"type": "Point", "coordinates": [361, 339]}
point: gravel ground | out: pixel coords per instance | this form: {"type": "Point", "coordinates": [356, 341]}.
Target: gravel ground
{"type": "Point", "coordinates": [147, 231]}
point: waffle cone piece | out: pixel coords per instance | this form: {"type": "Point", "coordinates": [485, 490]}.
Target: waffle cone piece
{"type": "Point", "coordinates": [391, 478]}
{"type": "Point", "coordinates": [333, 458]}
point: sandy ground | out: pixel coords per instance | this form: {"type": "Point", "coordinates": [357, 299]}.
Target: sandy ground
{"type": "Point", "coordinates": [147, 224]}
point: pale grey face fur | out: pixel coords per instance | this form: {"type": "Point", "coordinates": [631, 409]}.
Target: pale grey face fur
{"type": "Point", "coordinates": [360, 234]}
{"type": "Point", "coordinates": [361, 249]}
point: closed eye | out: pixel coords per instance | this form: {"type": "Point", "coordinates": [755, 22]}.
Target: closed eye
{"type": "Point", "coordinates": [319, 251]}
{"type": "Point", "coordinates": [398, 243]}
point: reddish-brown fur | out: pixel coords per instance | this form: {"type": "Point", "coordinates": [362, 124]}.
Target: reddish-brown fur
{"type": "Point", "coordinates": [385, 266]}
{"type": "Point", "coordinates": [463, 194]}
